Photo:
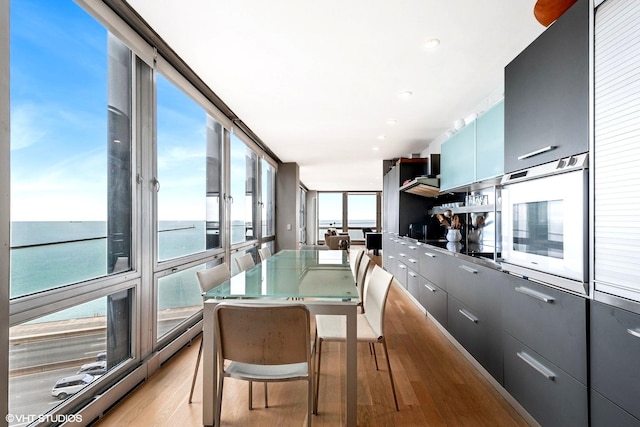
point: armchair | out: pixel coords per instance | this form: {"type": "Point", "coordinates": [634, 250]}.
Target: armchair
{"type": "Point", "coordinates": [337, 241]}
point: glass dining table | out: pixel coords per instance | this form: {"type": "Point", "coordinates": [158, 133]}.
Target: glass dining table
{"type": "Point", "coordinates": [320, 279]}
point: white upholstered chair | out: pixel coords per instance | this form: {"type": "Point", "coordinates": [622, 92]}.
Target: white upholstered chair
{"type": "Point", "coordinates": [370, 324]}
{"type": "Point", "coordinates": [264, 253]}
{"type": "Point", "coordinates": [247, 350]}
{"type": "Point", "coordinates": [245, 262]}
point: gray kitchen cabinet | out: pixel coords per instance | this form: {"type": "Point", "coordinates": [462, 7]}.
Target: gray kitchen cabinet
{"type": "Point", "coordinates": [434, 300]}
{"type": "Point", "coordinates": [550, 395]}
{"type": "Point", "coordinates": [605, 413]}
{"type": "Point", "coordinates": [476, 285]}
{"type": "Point", "coordinates": [401, 208]}
{"type": "Point", "coordinates": [550, 321]}
{"type": "Point", "coordinates": [413, 283]}
{"type": "Point", "coordinates": [476, 330]}
{"type": "Point", "coordinates": [401, 273]}
{"type": "Point", "coordinates": [547, 94]}
{"type": "Point", "coordinates": [615, 355]}
{"type": "Point", "coordinates": [433, 265]}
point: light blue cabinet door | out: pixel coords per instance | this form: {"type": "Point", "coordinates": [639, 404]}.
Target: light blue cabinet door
{"type": "Point", "coordinates": [457, 158]}
{"type": "Point", "coordinates": [490, 143]}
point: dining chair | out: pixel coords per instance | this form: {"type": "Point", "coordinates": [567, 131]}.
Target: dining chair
{"type": "Point", "coordinates": [370, 328]}
{"type": "Point", "coordinates": [263, 343]}
{"type": "Point", "coordinates": [356, 262]}
{"type": "Point", "coordinates": [245, 262]}
{"type": "Point", "coordinates": [208, 279]}
{"type": "Point", "coordinates": [264, 253]}
{"type": "Point", "coordinates": [361, 277]}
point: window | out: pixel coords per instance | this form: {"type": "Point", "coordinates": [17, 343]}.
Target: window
{"type": "Point", "coordinates": [70, 162]}
{"type": "Point", "coordinates": [50, 357]}
{"type": "Point", "coordinates": [243, 191]}
{"type": "Point", "coordinates": [179, 297]}
{"type": "Point", "coordinates": [361, 213]}
{"type": "Point", "coordinates": [329, 212]}
{"type": "Point", "coordinates": [268, 194]}
{"type": "Point", "coordinates": [188, 163]}
{"type": "Point", "coordinates": [360, 210]}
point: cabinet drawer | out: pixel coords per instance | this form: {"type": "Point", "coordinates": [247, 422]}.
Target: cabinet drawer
{"type": "Point", "coordinates": [434, 300]}
{"type": "Point", "coordinates": [390, 263]}
{"type": "Point", "coordinates": [605, 413]}
{"type": "Point", "coordinates": [413, 283]}
{"type": "Point", "coordinates": [476, 285]}
{"type": "Point", "coordinates": [552, 322]}
{"type": "Point", "coordinates": [475, 331]}
{"type": "Point", "coordinates": [401, 274]}
{"type": "Point", "coordinates": [433, 266]}
{"type": "Point", "coordinates": [550, 395]}
{"type": "Point", "coordinates": [615, 355]}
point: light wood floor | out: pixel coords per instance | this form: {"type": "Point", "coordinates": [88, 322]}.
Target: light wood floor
{"type": "Point", "coordinates": [436, 386]}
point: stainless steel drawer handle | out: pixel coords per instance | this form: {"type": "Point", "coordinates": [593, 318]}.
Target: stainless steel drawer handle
{"type": "Point", "coordinates": [634, 332]}
{"type": "Point", "coordinates": [468, 315]}
{"type": "Point", "coordinates": [412, 274]}
{"type": "Point", "coordinates": [534, 294]}
{"type": "Point", "coordinates": [539, 367]}
{"type": "Point", "coordinates": [430, 255]}
{"type": "Point", "coordinates": [402, 266]}
{"type": "Point", "coordinates": [413, 261]}
{"type": "Point", "coordinates": [430, 288]}
{"type": "Point", "coordinates": [536, 152]}
{"type": "Point", "coordinates": [468, 269]}
{"type": "Point", "coordinates": [413, 247]}
{"type": "Point", "coordinates": [390, 257]}
{"type": "Point", "coordinates": [402, 255]}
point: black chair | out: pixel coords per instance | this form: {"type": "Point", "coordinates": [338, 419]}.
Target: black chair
{"type": "Point", "coordinates": [373, 241]}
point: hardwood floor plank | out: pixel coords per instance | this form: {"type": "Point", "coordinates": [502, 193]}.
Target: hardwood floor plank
{"type": "Point", "coordinates": [435, 383]}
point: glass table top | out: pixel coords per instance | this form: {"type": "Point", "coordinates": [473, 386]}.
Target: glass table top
{"type": "Point", "coordinates": [293, 274]}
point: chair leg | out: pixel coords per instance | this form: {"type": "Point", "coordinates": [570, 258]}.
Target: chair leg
{"type": "Point", "coordinates": [309, 398]}
{"type": "Point", "coordinates": [250, 400]}
{"type": "Point", "coordinates": [219, 403]}
{"type": "Point", "coordinates": [375, 356]}
{"type": "Point", "coordinates": [319, 347]}
{"type": "Point", "coordinates": [195, 372]}
{"type": "Point", "coordinates": [266, 400]}
{"type": "Point", "coordinates": [393, 387]}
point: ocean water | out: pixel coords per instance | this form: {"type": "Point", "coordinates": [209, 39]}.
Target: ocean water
{"type": "Point", "coordinates": [59, 258]}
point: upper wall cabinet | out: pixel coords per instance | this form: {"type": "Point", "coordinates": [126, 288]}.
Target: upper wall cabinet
{"type": "Point", "coordinates": [475, 153]}
{"type": "Point", "coordinates": [457, 158]}
{"type": "Point", "coordinates": [547, 94]}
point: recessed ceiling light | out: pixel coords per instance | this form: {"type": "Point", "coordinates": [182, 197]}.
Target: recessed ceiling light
{"type": "Point", "coordinates": [431, 43]}
{"type": "Point", "coordinates": [392, 122]}
{"type": "Point", "coordinates": [381, 137]}
{"type": "Point", "coordinates": [405, 94]}
{"type": "Point", "coordinates": [375, 148]}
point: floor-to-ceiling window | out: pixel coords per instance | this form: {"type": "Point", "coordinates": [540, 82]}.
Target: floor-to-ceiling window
{"type": "Point", "coordinates": [71, 204]}
{"type": "Point", "coordinates": [125, 181]}
{"type": "Point", "coordinates": [243, 201]}
{"type": "Point", "coordinates": [362, 214]}
{"type": "Point", "coordinates": [188, 160]}
{"type": "Point", "coordinates": [350, 212]}
{"type": "Point", "coordinates": [267, 204]}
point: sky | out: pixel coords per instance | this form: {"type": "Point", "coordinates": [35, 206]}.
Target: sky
{"type": "Point", "coordinates": [59, 122]}
{"type": "Point", "coordinates": [59, 126]}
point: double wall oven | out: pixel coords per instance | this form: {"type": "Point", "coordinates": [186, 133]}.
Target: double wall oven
{"type": "Point", "coordinates": [545, 223]}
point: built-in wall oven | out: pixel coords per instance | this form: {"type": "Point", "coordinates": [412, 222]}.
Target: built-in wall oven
{"type": "Point", "coordinates": [544, 223]}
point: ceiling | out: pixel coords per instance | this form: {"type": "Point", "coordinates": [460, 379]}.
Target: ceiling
{"type": "Point", "coordinates": [319, 81]}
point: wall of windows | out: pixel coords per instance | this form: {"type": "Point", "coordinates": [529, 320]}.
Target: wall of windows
{"type": "Point", "coordinates": [125, 181]}
{"type": "Point", "coordinates": [348, 212]}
